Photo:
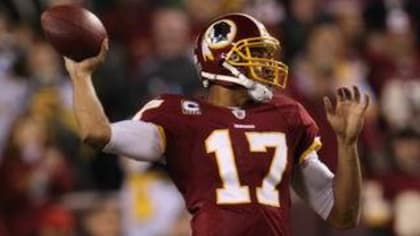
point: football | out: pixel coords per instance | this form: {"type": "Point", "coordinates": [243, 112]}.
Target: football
{"type": "Point", "coordinates": [73, 31]}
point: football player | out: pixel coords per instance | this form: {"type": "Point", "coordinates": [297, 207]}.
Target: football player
{"type": "Point", "coordinates": [234, 154]}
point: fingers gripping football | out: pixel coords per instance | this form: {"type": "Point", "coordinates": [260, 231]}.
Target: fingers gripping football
{"type": "Point", "coordinates": [87, 66]}
{"type": "Point", "coordinates": [346, 117]}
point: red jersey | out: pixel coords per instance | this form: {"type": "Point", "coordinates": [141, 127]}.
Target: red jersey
{"type": "Point", "coordinates": [233, 166]}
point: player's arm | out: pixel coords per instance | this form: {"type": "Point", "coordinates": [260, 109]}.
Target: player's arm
{"type": "Point", "coordinates": [133, 138]}
{"type": "Point", "coordinates": [94, 126]}
{"type": "Point", "coordinates": [346, 119]}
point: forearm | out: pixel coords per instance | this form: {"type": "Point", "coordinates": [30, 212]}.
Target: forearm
{"type": "Point", "coordinates": [347, 187]}
{"type": "Point", "coordinates": [94, 126]}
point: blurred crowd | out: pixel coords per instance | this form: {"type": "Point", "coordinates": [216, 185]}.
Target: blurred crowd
{"type": "Point", "coordinates": [52, 184]}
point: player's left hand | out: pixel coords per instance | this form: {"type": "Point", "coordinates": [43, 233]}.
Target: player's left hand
{"type": "Point", "coordinates": [346, 118]}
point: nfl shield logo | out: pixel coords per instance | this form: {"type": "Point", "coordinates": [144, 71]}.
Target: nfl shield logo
{"type": "Point", "coordinates": [238, 113]}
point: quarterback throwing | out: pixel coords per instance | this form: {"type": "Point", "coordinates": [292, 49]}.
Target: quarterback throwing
{"type": "Point", "coordinates": [234, 154]}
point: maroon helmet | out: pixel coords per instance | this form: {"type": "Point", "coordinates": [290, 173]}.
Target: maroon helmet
{"type": "Point", "coordinates": [236, 49]}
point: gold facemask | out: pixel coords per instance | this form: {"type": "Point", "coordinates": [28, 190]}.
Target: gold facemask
{"type": "Point", "coordinates": [260, 55]}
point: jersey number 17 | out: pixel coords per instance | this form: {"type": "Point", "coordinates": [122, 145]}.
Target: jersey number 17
{"type": "Point", "coordinates": [219, 143]}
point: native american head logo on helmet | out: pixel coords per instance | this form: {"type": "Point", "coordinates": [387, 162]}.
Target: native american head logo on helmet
{"type": "Point", "coordinates": [237, 50]}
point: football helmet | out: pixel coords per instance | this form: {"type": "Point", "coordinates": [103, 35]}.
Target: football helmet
{"type": "Point", "coordinates": [236, 49]}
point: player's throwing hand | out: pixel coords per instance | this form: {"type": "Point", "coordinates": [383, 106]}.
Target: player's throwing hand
{"type": "Point", "coordinates": [346, 118]}
{"type": "Point", "coordinates": [87, 66]}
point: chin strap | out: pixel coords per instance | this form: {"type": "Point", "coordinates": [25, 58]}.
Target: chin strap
{"type": "Point", "coordinates": [257, 91]}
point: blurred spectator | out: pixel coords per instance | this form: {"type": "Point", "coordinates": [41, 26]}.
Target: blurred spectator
{"type": "Point", "coordinates": [14, 88]}
{"type": "Point", "coordinates": [24, 37]}
{"type": "Point", "coordinates": [150, 204]}
{"type": "Point", "coordinates": [129, 24]}
{"type": "Point", "coordinates": [50, 98]}
{"type": "Point", "coordinates": [398, 191]}
{"type": "Point", "coordinates": [57, 221]}
{"type": "Point", "coordinates": [406, 152]}
{"type": "Point", "coordinates": [6, 42]}
{"type": "Point", "coordinates": [270, 12]}
{"type": "Point", "coordinates": [13, 99]}
{"type": "Point", "coordinates": [171, 33]}
{"type": "Point", "coordinates": [45, 69]}
{"type": "Point", "coordinates": [201, 11]}
{"type": "Point", "coordinates": [319, 71]}
{"type": "Point", "coordinates": [377, 212]}
{"type": "Point", "coordinates": [399, 59]}
{"type": "Point", "coordinates": [102, 219]}
{"type": "Point", "coordinates": [32, 175]}
{"type": "Point", "coordinates": [170, 68]}
{"type": "Point", "coordinates": [303, 14]}
{"type": "Point", "coordinates": [399, 84]}
{"type": "Point", "coordinates": [349, 18]}
{"type": "Point", "coordinates": [344, 69]}
{"type": "Point", "coordinates": [22, 10]}
{"type": "Point", "coordinates": [50, 101]}
{"type": "Point", "coordinates": [401, 104]}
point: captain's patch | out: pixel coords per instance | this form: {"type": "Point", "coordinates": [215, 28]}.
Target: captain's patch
{"type": "Point", "coordinates": [190, 108]}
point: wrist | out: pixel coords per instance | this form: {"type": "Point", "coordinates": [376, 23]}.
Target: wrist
{"type": "Point", "coordinates": [81, 81]}
{"type": "Point", "coordinates": [81, 76]}
{"type": "Point", "coordinates": [346, 141]}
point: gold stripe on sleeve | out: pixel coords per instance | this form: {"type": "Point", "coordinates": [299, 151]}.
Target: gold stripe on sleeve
{"type": "Point", "coordinates": [315, 146]}
{"type": "Point", "coordinates": [162, 137]}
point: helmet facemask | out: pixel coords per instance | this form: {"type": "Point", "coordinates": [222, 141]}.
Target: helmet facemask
{"type": "Point", "coordinates": [258, 58]}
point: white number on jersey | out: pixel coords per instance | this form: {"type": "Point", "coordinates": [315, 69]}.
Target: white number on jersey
{"type": "Point", "coordinates": [219, 142]}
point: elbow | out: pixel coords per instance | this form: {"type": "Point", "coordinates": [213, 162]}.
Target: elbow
{"type": "Point", "coordinates": [345, 220]}
{"type": "Point", "coordinates": [345, 224]}
{"type": "Point", "coordinates": [96, 139]}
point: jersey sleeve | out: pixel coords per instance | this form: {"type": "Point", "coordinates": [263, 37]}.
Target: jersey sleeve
{"type": "Point", "coordinates": [144, 137]}
{"type": "Point", "coordinates": [308, 139]}
{"type": "Point", "coordinates": [313, 182]}
{"type": "Point", "coordinates": [138, 140]}
{"type": "Point", "coordinates": [163, 112]}
{"type": "Point", "coordinates": [153, 112]}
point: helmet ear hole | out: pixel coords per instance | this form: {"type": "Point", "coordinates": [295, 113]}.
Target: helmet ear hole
{"type": "Point", "coordinates": [235, 57]}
